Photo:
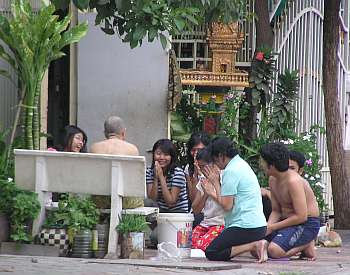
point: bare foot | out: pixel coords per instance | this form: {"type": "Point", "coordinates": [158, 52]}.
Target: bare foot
{"type": "Point", "coordinates": [309, 253]}
{"type": "Point", "coordinates": [306, 258]}
{"type": "Point", "coordinates": [261, 251]}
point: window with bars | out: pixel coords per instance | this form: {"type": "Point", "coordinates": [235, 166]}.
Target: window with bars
{"type": "Point", "coordinates": [192, 51]}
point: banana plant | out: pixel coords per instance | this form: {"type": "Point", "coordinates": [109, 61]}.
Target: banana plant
{"type": "Point", "coordinates": [34, 39]}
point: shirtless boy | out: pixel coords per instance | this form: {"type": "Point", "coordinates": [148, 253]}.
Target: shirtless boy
{"type": "Point", "coordinates": [294, 222]}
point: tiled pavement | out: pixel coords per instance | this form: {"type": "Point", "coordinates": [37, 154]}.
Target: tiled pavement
{"type": "Point", "coordinates": [330, 261]}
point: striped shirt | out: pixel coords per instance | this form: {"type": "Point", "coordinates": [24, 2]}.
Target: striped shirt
{"type": "Point", "coordinates": [175, 179]}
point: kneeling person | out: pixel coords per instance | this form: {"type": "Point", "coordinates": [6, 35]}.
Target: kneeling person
{"type": "Point", "coordinates": [213, 222]}
{"type": "Point", "coordinates": [294, 222]}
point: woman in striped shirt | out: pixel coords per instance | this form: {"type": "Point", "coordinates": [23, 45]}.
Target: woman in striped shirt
{"type": "Point", "coordinates": [166, 183]}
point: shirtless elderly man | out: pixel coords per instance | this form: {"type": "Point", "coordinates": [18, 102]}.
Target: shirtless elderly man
{"type": "Point", "coordinates": [294, 222]}
{"type": "Point", "coordinates": [115, 143]}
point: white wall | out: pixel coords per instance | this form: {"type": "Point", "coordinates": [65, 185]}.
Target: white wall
{"type": "Point", "coordinates": [115, 80]}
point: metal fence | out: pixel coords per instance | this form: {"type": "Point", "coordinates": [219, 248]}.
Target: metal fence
{"type": "Point", "coordinates": [298, 40]}
{"type": "Point", "coordinates": [6, 4]}
{"type": "Point", "coordinates": [299, 43]}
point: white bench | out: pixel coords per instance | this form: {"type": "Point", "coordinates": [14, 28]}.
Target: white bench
{"type": "Point", "coordinates": [95, 174]}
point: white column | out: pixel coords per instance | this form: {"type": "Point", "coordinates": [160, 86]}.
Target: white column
{"type": "Point", "coordinates": [116, 209]}
{"type": "Point", "coordinates": [41, 190]}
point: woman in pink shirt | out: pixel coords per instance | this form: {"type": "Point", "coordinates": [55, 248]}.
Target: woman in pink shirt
{"type": "Point", "coordinates": [74, 139]}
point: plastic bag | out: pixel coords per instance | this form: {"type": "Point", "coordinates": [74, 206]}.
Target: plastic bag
{"type": "Point", "coordinates": [168, 251]}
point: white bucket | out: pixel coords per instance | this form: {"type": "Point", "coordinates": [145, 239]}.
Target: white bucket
{"type": "Point", "coordinates": [177, 229]}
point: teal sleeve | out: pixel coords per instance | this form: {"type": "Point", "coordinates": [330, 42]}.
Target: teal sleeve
{"type": "Point", "coordinates": [229, 184]}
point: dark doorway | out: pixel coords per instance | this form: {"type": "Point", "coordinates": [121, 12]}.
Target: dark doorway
{"type": "Point", "coordinates": [58, 94]}
{"type": "Point", "coordinates": [58, 98]}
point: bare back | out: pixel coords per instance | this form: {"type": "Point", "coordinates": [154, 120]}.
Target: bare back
{"type": "Point", "coordinates": [114, 146]}
{"type": "Point", "coordinates": [281, 192]}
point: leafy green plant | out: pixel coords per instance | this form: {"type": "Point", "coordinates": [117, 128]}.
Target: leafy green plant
{"type": "Point", "coordinates": [132, 223]}
{"type": "Point", "coordinates": [136, 20]}
{"type": "Point", "coordinates": [306, 143]}
{"type": "Point", "coordinates": [25, 209]}
{"type": "Point", "coordinates": [283, 117]}
{"type": "Point", "coordinates": [184, 121]}
{"type": "Point", "coordinates": [180, 131]}
{"type": "Point", "coordinates": [22, 207]}
{"type": "Point", "coordinates": [230, 117]}
{"type": "Point", "coordinates": [34, 40]}
{"type": "Point", "coordinates": [189, 112]}
{"type": "Point", "coordinates": [262, 72]}
{"type": "Point", "coordinates": [4, 151]}
{"type": "Point", "coordinates": [75, 213]}
{"type": "Point", "coordinates": [8, 191]}
{"type": "Point", "coordinates": [6, 154]}
{"type": "Point", "coordinates": [278, 117]}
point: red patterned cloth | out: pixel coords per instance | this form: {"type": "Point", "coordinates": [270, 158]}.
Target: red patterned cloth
{"type": "Point", "coordinates": [203, 236]}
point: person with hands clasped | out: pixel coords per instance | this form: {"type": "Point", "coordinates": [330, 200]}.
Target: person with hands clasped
{"type": "Point", "coordinates": [239, 195]}
{"type": "Point", "coordinates": [213, 222]}
{"type": "Point", "coordinates": [166, 183]}
{"type": "Point", "coordinates": [196, 142]}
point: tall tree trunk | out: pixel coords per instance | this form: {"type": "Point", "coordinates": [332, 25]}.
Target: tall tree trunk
{"type": "Point", "coordinates": [28, 124]}
{"type": "Point", "coordinates": [36, 119]}
{"type": "Point", "coordinates": [264, 34]}
{"type": "Point", "coordinates": [334, 121]}
{"type": "Point", "coordinates": [29, 114]}
{"type": "Point", "coordinates": [264, 37]}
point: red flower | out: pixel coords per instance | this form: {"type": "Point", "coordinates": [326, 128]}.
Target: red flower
{"type": "Point", "coordinates": [259, 56]}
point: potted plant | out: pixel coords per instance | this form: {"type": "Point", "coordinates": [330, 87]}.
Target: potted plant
{"type": "Point", "coordinates": [7, 193]}
{"type": "Point", "coordinates": [25, 209]}
{"type": "Point", "coordinates": [7, 188]}
{"type": "Point", "coordinates": [78, 215]}
{"type": "Point", "coordinates": [54, 233]}
{"type": "Point", "coordinates": [131, 229]}
{"type": "Point", "coordinates": [20, 207]}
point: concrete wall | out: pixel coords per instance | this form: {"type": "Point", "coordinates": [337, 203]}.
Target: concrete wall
{"type": "Point", "coordinates": [8, 90]}
{"type": "Point", "coordinates": [8, 98]}
{"type": "Point", "coordinates": [115, 80]}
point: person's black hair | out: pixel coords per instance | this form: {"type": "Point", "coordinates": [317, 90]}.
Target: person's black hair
{"type": "Point", "coordinates": [204, 154]}
{"type": "Point", "coordinates": [298, 157]}
{"type": "Point", "coordinates": [67, 137]}
{"type": "Point", "coordinates": [224, 146]}
{"type": "Point", "coordinates": [167, 147]}
{"type": "Point", "coordinates": [194, 140]}
{"type": "Point", "coordinates": [276, 154]}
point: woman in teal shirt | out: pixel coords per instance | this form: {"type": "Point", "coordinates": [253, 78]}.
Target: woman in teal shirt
{"type": "Point", "coordinates": [240, 196]}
